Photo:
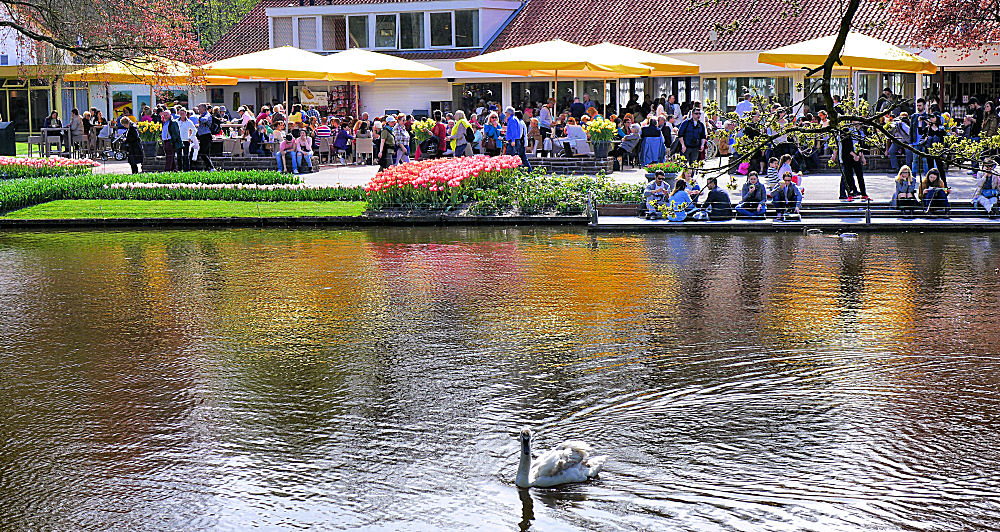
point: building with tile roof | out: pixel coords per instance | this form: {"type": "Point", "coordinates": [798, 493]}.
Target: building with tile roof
{"type": "Point", "coordinates": [440, 32]}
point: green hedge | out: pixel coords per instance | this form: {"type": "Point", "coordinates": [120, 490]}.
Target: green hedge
{"type": "Point", "coordinates": [19, 193]}
{"type": "Point", "coordinates": [303, 194]}
{"type": "Point", "coordinates": [538, 193]}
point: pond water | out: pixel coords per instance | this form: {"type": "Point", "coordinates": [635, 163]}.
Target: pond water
{"type": "Point", "coordinates": [374, 379]}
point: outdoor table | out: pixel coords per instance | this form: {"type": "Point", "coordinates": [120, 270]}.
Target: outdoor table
{"type": "Point", "coordinates": [64, 141]}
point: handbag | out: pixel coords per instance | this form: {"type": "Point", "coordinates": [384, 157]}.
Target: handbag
{"type": "Point", "coordinates": [490, 143]}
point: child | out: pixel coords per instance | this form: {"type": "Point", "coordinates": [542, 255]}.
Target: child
{"type": "Point", "coordinates": [289, 147]}
{"type": "Point", "coordinates": [784, 164]}
{"type": "Point", "coordinates": [772, 174]}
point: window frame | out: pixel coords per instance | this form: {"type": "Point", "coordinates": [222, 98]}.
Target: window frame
{"type": "Point", "coordinates": [395, 46]}
{"type": "Point", "coordinates": [454, 29]}
{"type": "Point", "coordinates": [421, 18]}
{"type": "Point", "coordinates": [369, 43]}
{"type": "Point", "coordinates": [430, 29]}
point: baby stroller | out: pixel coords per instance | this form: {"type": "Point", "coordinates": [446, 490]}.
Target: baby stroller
{"type": "Point", "coordinates": [117, 149]}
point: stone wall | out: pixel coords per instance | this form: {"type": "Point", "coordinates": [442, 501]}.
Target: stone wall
{"type": "Point", "coordinates": [573, 165]}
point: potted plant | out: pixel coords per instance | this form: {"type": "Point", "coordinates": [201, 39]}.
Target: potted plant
{"type": "Point", "coordinates": [150, 134]}
{"type": "Point", "coordinates": [601, 132]}
{"type": "Point", "coordinates": [670, 169]}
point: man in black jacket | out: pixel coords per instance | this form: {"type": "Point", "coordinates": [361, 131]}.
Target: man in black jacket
{"type": "Point", "coordinates": [717, 203]}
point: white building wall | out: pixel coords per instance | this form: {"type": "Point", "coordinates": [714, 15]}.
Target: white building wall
{"type": "Point", "coordinates": [404, 95]}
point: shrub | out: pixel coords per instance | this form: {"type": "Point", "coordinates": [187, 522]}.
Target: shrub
{"type": "Point", "coordinates": [19, 193]}
{"type": "Point", "coordinates": [225, 191]}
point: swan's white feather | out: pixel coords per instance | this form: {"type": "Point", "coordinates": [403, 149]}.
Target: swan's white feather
{"type": "Point", "coordinates": [569, 462]}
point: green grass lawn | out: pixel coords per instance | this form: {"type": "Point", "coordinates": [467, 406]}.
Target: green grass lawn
{"type": "Point", "coordinates": [21, 148]}
{"type": "Point", "coordinates": [70, 209]}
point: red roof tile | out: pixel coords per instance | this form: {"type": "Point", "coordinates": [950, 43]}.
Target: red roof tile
{"type": "Point", "coordinates": [663, 25]}
{"type": "Point", "coordinates": [652, 25]}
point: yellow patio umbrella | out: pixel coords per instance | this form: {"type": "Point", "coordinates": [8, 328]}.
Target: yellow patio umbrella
{"type": "Point", "coordinates": [555, 56]}
{"type": "Point", "coordinates": [383, 66]}
{"type": "Point", "coordinates": [860, 52]}
{"type": "Point", "coordinates": [621, 57]}
{"type": "Point", "coordinates": [284, 64]}
{"type": "Point", "coordinates": [152, 70]}
{"type": "Point", "coordinates": [148, 70]}
{"type": "Point", "coordinates": [551, 59]}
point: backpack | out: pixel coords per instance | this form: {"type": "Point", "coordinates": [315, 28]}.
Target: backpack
{"type": "Point", "coordinates": [470, 135]}
{"type": "Point", "coordinates": [216, 127]}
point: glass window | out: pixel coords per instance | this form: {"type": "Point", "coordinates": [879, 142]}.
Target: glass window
{"type": "Point", "coordinates": [467, 28]}
{"type": "Point", "coordinates": [334, 33]}
{"type": "Point", "coordinates": [19, 111]}
{"type": "Point", "coordinates": [4, 116]}
{"type": "Point", "coordinates": [282, 28]}
{"type": "Point", "coordinates": [358, 27]}
{"type": "Point", "coordinates": [385, 31]}
{"type": "Point", "coordinates": [307, 33]}
{"type": "Point", "coordinates": [441, 29]}
{"type": "Point", "coordinates": [3, 59]}
{"type": "Point", "coordinates": [40, 107]}
{"type": "Point", "coordinates": [530, 93]}
{"type": "Point", "coordinates": [411, 30]}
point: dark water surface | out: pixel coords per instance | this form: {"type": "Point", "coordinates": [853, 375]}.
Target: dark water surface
{"type": "Point", "coordinates": [373, 379]}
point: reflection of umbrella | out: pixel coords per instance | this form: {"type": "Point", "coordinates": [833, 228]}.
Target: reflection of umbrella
{"type": "Point", "coordinates": [382, 66]}
{"type": "Point", "coordinates": [283, 64]}
{"type": "Point", "coordinates": [151, 70]}
{"type": "Point", "coordinates": [860, 52]}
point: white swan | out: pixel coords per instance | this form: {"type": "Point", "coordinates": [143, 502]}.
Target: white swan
{"type": "Point", "coordinates": [569, 462]}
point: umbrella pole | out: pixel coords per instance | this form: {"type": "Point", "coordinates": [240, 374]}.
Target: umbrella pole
{"type": "Point", "coordinates": [556, 93]}
{"type": "Point", "coordinates": [288, 100]}
{"type": "Point", "coordinates": [605, 98]}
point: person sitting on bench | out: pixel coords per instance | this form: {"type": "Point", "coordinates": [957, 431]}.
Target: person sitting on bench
{"type": "Point", "coordinates": [717, 204]}
{"type": "Point", "coordinates": [934, 193]}
{"type": "Point", "coordinates": [987, 193]}
{"type": "Point", "coordinates": [680, 204]}
{"type": "Point", "coordinates": [905, 197]}
{"type": "Point", "coordinates": [754, 202]}
{"type": "Point", "coordinates": [656, 196]}
{"type": "Point", "coordinates": [787, 198]}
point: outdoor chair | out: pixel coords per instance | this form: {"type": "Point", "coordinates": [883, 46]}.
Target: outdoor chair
{"type": "Point", "coordinates": [364, 148]}
{"type": "Point", "coordinates": [324, 148]}
{"type": "Point", "coordinates": [34, 141]}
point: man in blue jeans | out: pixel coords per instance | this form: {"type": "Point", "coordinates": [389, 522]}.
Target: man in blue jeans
{"type": "Point", "coordinates": [515, 136]}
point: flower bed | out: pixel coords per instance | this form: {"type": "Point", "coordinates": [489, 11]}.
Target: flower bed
{"type": "Point", "coordinates": [493, 185]}
{"type": "Point", "coordinates": [669, 167]}
{"type": "Point", "coordinates": [226, 191]}
{"type": "Point", "coordinates": [19, 167]}
{"type": "Point", "coordinates": [436, 183]}
{"type": "Point", "coordinates": [19, 193]}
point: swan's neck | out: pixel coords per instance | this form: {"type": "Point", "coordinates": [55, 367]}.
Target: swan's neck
{"type": "Point", "coordinates": [523, 468]}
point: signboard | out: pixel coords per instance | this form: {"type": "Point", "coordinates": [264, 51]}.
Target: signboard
{"type": "Point", "coordinates": [122, 103]}
{"type": "Point", "coordinates": [311, 97]}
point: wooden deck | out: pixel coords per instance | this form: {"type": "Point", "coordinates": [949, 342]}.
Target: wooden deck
{"type": "Point", "coordinates": [828, 224]}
